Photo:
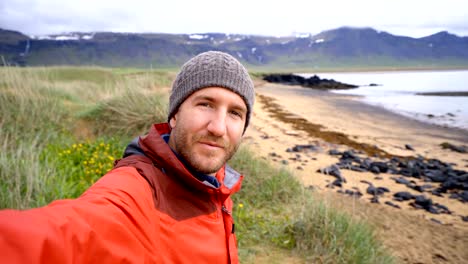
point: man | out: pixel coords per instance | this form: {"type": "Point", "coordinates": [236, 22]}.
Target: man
{"type": "Point", "coordinates": [168, 199]}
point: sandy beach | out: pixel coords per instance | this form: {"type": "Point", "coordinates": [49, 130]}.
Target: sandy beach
{"type": "Point", "coordinates": [413, 235]}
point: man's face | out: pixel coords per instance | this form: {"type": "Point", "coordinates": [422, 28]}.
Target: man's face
{"type": "Point", "coordinates": [207, 128]}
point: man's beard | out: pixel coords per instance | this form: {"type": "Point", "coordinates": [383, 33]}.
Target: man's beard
{"type": "Point", "coordinates": [208, 163]}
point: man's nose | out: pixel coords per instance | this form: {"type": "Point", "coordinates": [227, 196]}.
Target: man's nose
{"type": "Point", "coordinates": [217, 125]}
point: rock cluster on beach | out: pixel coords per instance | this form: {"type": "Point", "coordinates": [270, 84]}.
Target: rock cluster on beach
{"type": "Point", "coordinates": [311, 82]}
{"type": "Point", "coordinates": [426, 177]}
{"type": "Point", "coordinates": [439, 179]}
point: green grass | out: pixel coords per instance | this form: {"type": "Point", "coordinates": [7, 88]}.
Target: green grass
{"type": "Point", "coordinates": [130, 113]}
{"type": "Point", "coordinates": [60, 132]}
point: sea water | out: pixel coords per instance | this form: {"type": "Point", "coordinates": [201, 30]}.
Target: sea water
{"type": "Point", "coordinates": [397, 91]}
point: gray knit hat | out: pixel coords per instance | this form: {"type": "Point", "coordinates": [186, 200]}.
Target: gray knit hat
{"type": "Point", "coordinates": [212, 68]}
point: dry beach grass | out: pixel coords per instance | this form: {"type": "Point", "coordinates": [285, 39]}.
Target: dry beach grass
{"type": "Point", "coordinates": [286, 116]}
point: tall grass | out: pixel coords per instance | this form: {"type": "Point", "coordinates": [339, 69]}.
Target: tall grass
{"type": "Point", "coordinates": [44, 107]}
{"type": "Point", "coordinates": [128, 114]}
{"type": "Point", "coordinates": [62, 127]}
{"type": "Point", "coordinates": [28, 108]}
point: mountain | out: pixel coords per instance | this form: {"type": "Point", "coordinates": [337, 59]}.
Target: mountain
{"type": "Point", "coordinates": [343, 47]}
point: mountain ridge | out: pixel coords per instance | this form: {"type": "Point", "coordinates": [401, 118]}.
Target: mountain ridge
{"type": "Point", "coordinates": [344, 47]}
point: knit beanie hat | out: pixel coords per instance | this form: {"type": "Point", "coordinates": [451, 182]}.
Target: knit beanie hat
{"type": "Point", "coordinates": [208, 69]}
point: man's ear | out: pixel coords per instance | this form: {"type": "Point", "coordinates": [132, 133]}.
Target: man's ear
{"type": "Point", "coordinates": [173, 121]}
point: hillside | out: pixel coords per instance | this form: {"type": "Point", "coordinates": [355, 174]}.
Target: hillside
{"type": "Point", "coordinates": [338, 48]}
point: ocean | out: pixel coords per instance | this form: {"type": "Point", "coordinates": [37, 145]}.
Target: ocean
{"type": "Point", "coordinates": [397, 92]}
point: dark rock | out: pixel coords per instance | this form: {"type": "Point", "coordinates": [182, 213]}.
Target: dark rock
{"type": "Point", "coordinates": [419, 188]}
{"type": "Point", "coordinates": [392, 204]}
{"type": "Point", "coordinates": [382, 166]}
{"type": "Point", "coordinates": [372, 190]}
{"type": "Point", "coordinates": [366, 163]}
{"type": "Point", "coordinates": [401, 180]}
{"type": "Point", "coordinates": [350, 155]}
{"type": "Point", "coordinates": [312, 82]}
{"type": "Point", "coordinates": [354, 168]}
{"type": "Point", "coordinates": [460, 149]}
{"type": "Point", "coordinates": [375, 169]}
{"type": "Point", "coordinates": [406, 172]}
{"type": "Point", "coordinates": [374, 199]}
{"type": "Point", "coordinates": [435, 175]}
{"type": "Point", "coordinates": [304, 148]}
{"type": "Point", "coordinates": [403, 196]}
{"type": "Point", "coordinates": [464, 218]}
{"type": "Point", "coordinates": [381, 190]}
{"type": "Point", "coordinates": [409, 147]}
{"type": "Point", "coordinates": [423, 201]}
{"type": "Point", "coordinates": [451, 184]}
{"type": "Point", "coordinates": [337, 183]}
{"type": "Point", "coordinates": [356, 194]}
{"type": "Point", "coordinates": [442, 208]}
{"type": "Point", "coordinates": [334, 171]}
{"type": "Point", "coordinates": [462, 196]}
{"type": "Point", "coordinates": [334, 152]}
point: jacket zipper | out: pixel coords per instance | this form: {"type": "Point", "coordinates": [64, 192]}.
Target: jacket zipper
{"type": "Point", "coordinates": [226, 210]}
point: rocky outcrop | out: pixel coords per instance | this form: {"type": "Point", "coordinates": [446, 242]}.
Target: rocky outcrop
{"type": "Point", "coordinates": [311, 82]}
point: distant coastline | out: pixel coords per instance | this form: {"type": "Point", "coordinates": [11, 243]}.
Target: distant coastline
{"type": "Point", "coordinates": [444, 94]}
{"type": "Point", "coordinates": [301, 71]}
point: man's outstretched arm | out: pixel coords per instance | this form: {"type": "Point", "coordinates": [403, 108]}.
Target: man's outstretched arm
{"type": "Point", "coordinates": [109, 223]}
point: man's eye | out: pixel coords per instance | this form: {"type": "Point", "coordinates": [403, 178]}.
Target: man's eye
{"type": "Point", "coordinates": [204, 104]}
{"type": "Point", "coordinates": [236, 113]}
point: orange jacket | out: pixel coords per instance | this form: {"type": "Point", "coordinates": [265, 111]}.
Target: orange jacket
{"type": "Point", "coordinates": [149, 209]}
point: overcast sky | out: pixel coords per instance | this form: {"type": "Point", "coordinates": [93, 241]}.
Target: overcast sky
{"type": "Point", "coordinates": [415, 18]}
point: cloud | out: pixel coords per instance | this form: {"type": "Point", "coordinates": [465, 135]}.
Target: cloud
{"type": "Point", "coordinates": [414, 17]}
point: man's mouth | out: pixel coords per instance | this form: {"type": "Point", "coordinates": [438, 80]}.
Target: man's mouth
{"type": "Point", "coordinates": [211, 144]}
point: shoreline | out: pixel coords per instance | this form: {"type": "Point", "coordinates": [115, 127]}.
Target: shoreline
{"type": "Point", "coordinates": [270, 138]}
{"type": "Point", "coordinates": [417, 103]}
{"type": "Point", "coordinates": [442, 121]}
